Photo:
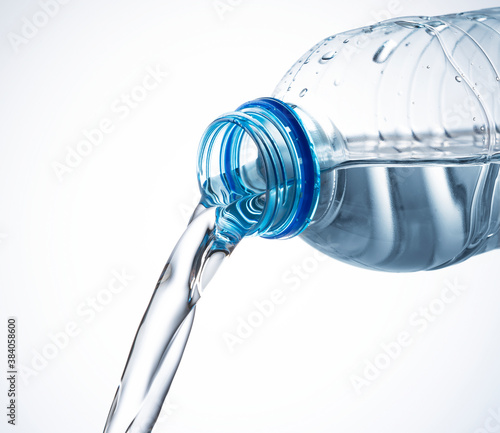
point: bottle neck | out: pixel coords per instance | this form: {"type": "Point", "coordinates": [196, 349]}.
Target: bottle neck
{"type": "Point", "coordinates": [259, 166]}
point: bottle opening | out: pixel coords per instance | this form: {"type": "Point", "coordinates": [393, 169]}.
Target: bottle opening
{"type": "Point", "coordinates": [258, 164]}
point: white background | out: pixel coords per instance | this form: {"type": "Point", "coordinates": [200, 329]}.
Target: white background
{"type": "Point", "coordinates": [125, 204]}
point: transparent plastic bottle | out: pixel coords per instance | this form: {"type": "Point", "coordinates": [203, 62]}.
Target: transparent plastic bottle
{"type": "Point", "coordinates": [379, 147]}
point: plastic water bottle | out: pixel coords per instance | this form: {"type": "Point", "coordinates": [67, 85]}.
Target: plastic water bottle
{"type": "Point", "coordinates": [379, 146]}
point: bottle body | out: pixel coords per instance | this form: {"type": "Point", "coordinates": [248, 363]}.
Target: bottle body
{"type": "Point", "coordinates": [407, 86]}
{"type": "Point", "coordinates": [403, 121]}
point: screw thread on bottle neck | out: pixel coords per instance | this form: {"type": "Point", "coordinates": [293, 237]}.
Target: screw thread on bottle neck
{"type": "Point", "coordinates": [258, 163]}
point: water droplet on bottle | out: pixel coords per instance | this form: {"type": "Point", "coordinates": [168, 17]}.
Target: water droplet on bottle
{"type": "Point", "coordinates": [336, 82]}
{"type": "Point", "coordinates": [385, 51]}
{"type": "Point", "coordinates": [479, 17]}
{"type": "Point", "coordinates": [438, 26]}
{"type": "Point", "coordinates": [458, 79]}
{"type": "Point", "coordinates": [346, 41]}
{"type": "Point", "coordinates": [302, 92]}
{"type": "Point", "coordinates": [474, 119]}
{"type": "Point", "coordinates": [428, 66]}
{"type": "Point", "coordinates": [498, 78]}
{"type": "Point", "coordinates": [409, 25]}
{"type": "Point", "coordinates": [328, 56]}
